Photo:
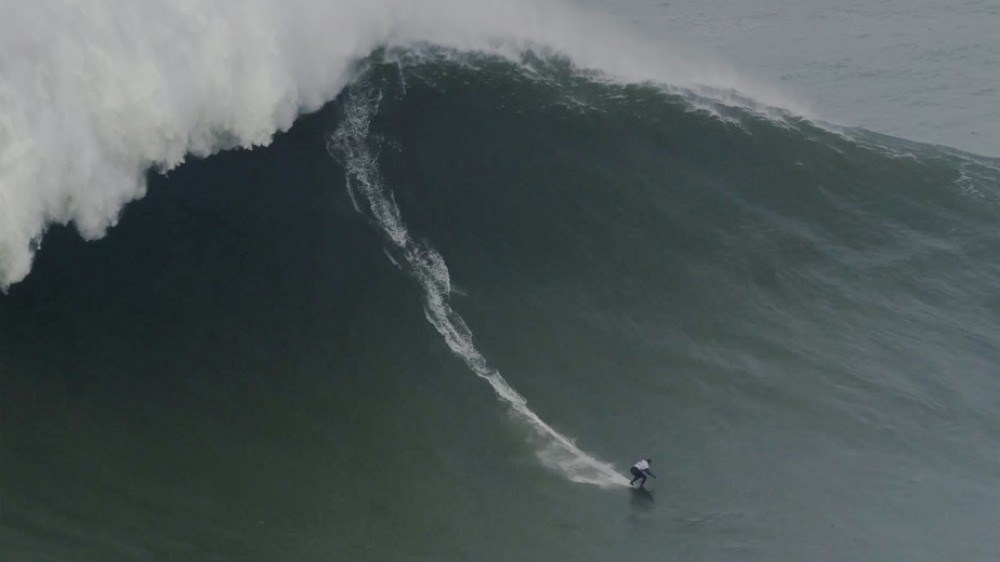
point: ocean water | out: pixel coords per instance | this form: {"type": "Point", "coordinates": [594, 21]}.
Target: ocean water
{"type": "Point", "coordinates": [468, 266]}
{"type": "Point", "coordinates": [918, 69]}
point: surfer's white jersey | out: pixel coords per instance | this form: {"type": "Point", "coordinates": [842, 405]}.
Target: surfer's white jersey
{"type": "Point", "coordinates": [642, 465]}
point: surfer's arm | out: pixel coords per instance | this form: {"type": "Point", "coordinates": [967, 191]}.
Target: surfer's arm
{"type": "Point", "coordinates": [650, 472]}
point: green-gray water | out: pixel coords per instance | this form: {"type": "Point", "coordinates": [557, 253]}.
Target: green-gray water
{"type": "Point", "coordinates": [263, 360]}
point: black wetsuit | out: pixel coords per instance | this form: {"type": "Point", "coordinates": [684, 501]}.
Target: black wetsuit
{"type": "Point", "coordinates": [639, 475]}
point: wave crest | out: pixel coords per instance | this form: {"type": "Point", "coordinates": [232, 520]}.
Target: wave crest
{"type": "Point", "coordinates": [95, 93]}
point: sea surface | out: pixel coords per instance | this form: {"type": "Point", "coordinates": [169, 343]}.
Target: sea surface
{"type": "Point", "coordinates": [331, 282]}
{"type": "Point", "coordinates": [922, 70]}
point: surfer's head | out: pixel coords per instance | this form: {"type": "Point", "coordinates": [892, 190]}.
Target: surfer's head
{"type": "Point", "coordinates": [650, 461]}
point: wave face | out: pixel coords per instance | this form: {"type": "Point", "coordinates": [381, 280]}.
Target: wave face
{"type": "Point", "coordinates": [354, 146]}
{"type": "Point", "coordinates": [269, 357]}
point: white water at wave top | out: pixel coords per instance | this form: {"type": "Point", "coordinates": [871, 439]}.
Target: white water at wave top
{"type": "Point", "coordinates": [95, 92]}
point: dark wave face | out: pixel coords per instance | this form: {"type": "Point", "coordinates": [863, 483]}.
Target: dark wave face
{"type": "Point", "coordinates": [311, 351]}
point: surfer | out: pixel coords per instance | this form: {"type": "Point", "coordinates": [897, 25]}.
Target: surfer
{"type": "Point", "coordinates": [639, 471]}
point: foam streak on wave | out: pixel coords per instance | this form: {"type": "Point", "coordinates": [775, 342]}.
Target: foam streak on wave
{"type": "Point", "coordinates": [351, 144]}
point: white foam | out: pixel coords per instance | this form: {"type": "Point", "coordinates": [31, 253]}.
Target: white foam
{"type": "Point", "coordinates": [350, 144]}
{"type": "Point", "coordinates": [93, 93]}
